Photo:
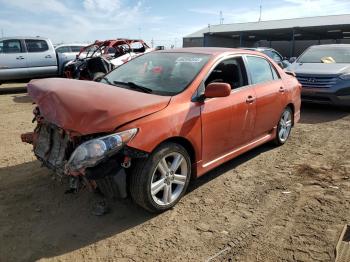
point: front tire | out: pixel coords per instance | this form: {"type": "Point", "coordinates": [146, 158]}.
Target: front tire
{"type": "Point", "coordinates": [158, 183]}
{"type": "Point", "coordinates": [284, 126]}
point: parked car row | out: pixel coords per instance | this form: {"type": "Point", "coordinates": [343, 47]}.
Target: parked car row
{"type": "Point", "coordinates": [36, 57]}
{"type": "Point", "coordinates": [151, 125]}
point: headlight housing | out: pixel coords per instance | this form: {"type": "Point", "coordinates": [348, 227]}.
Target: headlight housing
{"type": "Point", "coordinates": [345, 76]}
{"type": "Point", "coordinates": [90, 153]}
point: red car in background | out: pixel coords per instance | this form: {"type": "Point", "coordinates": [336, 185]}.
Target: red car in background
{"type": "Point", "coordinates": [101, 57]}
{"type": "Point", "coordinates": [163, 118]}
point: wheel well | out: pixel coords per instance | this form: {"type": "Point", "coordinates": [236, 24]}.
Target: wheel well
{"type": "Point", "coordinates": [291, 106]}
{"type": "Point", "coordinates": [186, 144]}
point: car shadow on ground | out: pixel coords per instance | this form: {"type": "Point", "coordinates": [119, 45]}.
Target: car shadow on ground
{"type": "Point", "coordinates": [230, 165]}
{"type": "Point", "coordinates": [42, 221]}
{"type": "Point", "coordinates": [314, 113]}
{"type": "Point", "coordinates": [22, 99]}
{"type": "Point", "coordinates": [13, 88]}
{"type": "Point", "coordinates": [38, 220]}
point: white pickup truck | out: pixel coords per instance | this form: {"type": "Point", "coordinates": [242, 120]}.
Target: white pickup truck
{"type": "Point", "coordinates": [33, 57]}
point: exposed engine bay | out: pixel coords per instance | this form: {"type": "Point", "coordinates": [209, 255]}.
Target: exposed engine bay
{"type": "Point", "coordinates": [85, 160]}
{"type": "Point", "coordinates": [97, 59]}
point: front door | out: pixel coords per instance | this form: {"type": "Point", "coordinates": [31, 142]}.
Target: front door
{"type": "Point", "coordinates": [227, 122]}
{"type": "Point", "coordinates": [13, 60]}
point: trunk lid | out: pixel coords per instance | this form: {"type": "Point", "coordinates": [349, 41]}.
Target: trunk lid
{"type": "Point", "coordinates": [88, 107]}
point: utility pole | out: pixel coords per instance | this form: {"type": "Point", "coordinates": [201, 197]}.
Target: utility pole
{"type": "Point", "coordinates": [260, 10]}
{"type": "Point", "coordinates": [2, 32]}
{"type": "Point", "coordinates": [221, 18]}
{"type": "Point", "coordinates": [152, 42]}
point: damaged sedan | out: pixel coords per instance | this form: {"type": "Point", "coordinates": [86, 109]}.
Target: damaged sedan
{"type": "Point", "coordinates": [153, 124]}
{"type": "Point", "coordinates": [101, 57]}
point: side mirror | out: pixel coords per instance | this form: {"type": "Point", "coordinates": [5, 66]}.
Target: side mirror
{"type": "Point", "coordinates": [292, 60]}
{"type": "Point", "coordinates": [217, 90]}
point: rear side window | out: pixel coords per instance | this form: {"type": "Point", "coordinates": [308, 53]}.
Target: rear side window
{"type": "Point", "coordinates": [63, 49]}
{"type": "Point", "coordinates": [34, 45]}
{"type": "Point", "coordinates": [10, 46]}
{"type": "Point", "coordinates": [273, 55]}
{"type": "Point", "coordinates": [76, 49]}
{"type": "Point", "coordinates": [260, 70]}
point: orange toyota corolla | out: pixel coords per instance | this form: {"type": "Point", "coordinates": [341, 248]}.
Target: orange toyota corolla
{"type": "Point", "coordinates": [152, 124]}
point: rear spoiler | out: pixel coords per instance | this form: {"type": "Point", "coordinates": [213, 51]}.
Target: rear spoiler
{"type": "Point", "coordinates": [290, 73]}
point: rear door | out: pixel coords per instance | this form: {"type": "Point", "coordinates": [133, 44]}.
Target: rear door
{"type": "Point", "coordinates": [41, 58]}
{"type": "Point", "coordinates": [270, 94]}
{"type": "Point", "coordinates": [13, 60]}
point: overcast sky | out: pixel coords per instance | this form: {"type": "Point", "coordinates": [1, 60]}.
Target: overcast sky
{"type": "Point", "coordinates": [164, 21]}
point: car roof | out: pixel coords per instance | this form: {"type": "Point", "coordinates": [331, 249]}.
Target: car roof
{"type": "Point", "coordinates": [260, 48]}
{"type": "Point", "coordinates": [210, 50]}
{"type": "Point", "coordinates": [24, 37]}
{"type": "Point", "coordinates": [330, 45]}
{"type": "Point", "coordinates": [75, 44]}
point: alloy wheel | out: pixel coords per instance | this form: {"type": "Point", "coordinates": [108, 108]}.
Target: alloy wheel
{"type": "Point", "coordinates": [169, 179]}
{"type": "Point", "coordinates": [285, 126]}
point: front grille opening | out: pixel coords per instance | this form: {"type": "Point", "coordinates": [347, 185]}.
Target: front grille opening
{"type": "Point", "coordinates": [317, 81]}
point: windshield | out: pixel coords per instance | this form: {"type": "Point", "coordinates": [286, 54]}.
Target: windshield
{"type": "Point", "coordinates": [327, 55]}
{"type": "Point", "coordinates": [159, 73]}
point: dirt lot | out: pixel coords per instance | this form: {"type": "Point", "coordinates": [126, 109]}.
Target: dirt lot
{"type": "Point", "coordinates": [272, 204]}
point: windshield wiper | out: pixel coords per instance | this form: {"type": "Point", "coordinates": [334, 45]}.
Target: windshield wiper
{"type": "Point", "coordinates": [134, 86]}
{"type": "Point", "coordinates": [108, 82]}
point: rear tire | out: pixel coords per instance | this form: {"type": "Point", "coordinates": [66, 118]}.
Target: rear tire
{"type": "Point", "coordinates": [160, 181]}
{"type": "Point", "coordinates": [284, 126]}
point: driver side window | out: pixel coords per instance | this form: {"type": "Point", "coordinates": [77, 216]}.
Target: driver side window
{"type": "Point", "coordinates": [230, 71]}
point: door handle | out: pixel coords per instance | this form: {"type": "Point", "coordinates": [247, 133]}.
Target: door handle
{"type": "Point", "coordinates": [48, 56]}
{"type": "Point", "coordinates": [19, 57]}
{"type": "Point", "coordinates": [282, 89]}
{"type": "Point", "coordinates": [250, 99]}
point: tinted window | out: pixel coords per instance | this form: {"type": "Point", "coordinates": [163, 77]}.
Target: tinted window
{"type": "Point", "coordinates": [274, 72]}
{"type": "Point", "coordinates": [230, 71]}
{"type": "Point", "coordinates": [163, 73]}
{"type": "Point", "coordinates": [10, 46]}
{"type": "Point", "coordinates": [63, 49]}
{"type": "Point", "coordinates": [34, 45]}
{"type": "Point", "coordinates": [76, 49]}
{"type": "Point", "coordinates": [327, 55]}
{"type": "Point", "coordinates": [273, 55]}
{"type": "Point", "coordinates": [260, 69]}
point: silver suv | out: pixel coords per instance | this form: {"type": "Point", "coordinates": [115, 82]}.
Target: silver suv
{"type": "Point", "coordinates": [324, 73]}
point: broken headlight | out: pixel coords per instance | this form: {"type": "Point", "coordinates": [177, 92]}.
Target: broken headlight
{"type": "Point", "coordinates": [89, 153]}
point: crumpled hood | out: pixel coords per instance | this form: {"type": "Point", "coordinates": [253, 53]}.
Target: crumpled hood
{"type": "Point", "coordinates": [88, 107]}
{"type": "Point", "coordinates": [319, 68]}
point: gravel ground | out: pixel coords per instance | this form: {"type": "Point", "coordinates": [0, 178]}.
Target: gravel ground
{"type": "Point", "coordinates": [271, 204]}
